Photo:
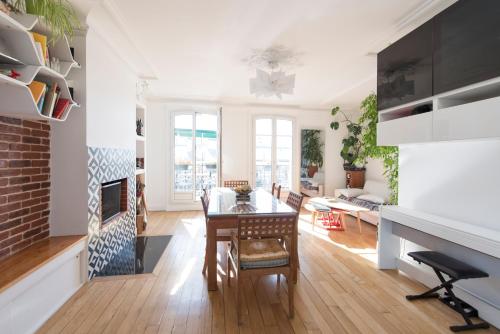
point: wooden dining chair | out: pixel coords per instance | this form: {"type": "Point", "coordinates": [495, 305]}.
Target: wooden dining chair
{"type": "Point", "coordinates": [235, 183]}
{"type": "Point", "coordinates": [263, 245]}
{"type": "Point", "coordinates": [223, 235]}
{"type": "Point", "coordinates": [294, 200]}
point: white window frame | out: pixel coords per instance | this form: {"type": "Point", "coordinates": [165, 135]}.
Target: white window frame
{"type": "Point", "coordinates": [190, 111]}
{"type": "Point", "coordinates": [274, 148]}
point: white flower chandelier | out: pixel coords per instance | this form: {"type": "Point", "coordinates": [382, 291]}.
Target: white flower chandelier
{"type": "Point", "coordinates": [274, 81]}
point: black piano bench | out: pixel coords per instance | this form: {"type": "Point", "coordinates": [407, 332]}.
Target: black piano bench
{"type": "Point", "coordinates": [456, 270]}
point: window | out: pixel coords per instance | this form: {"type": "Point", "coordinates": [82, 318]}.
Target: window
{"type": "Point", "coordinates": [273, 152]}
{"type": "Point", "coordinates": [195, 154]}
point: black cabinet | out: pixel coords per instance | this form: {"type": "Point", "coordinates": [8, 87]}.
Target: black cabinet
{"type": "Point", "coordinates": [404, 69]}
{"type": "Point", "coordinates": [466, 44]}
{"type": "Point", "coordinates": [458, 47]}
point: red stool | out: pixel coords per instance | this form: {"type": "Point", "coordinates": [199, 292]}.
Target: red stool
{"type": "Point", "coordinates": [330, 219]}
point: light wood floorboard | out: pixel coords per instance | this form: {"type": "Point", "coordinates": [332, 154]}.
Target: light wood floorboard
{"type": "Point", "coordinates": [338, 291]}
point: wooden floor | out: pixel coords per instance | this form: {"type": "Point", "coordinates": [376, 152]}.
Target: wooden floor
{"type": "Point", "coordinates": [339, 291]}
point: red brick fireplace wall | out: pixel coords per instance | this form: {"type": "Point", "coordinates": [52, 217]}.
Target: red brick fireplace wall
{"type": "Point", "coordinates": [24, 183]}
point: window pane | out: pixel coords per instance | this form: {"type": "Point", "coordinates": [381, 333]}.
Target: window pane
{"type": "Point", "coordinates": [284, 127]}
{"type": "Point", "coordinates": [283, 142]}
{"type": "Point", "coordinates": [263, 152]}
{"type": "Point", "coordinates": [183, 153]}
{"type": "Point", "coordinates": [206, 152]}
{"type": "Point", "coordinates": [264, 126]}
{"type": "Point", "coordinates": [265, 160]}
{"type": "Point", "coordinates": [263, 176]}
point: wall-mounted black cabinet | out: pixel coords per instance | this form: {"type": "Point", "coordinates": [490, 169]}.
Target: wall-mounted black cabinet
{"type": "Point", "coordinates": [466, 44]}
{"type": "Point", "coordinates": [458, 47]}
{"type": "Point", "coordinates": [404, 69]}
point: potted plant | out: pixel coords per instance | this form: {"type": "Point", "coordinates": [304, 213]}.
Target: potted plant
{"type": "Point", "coordinates": [312, 151]}
{"type": "Point", "coordinates": [352, 144]}
{"type": "Point", "coordinates": [388, 154]}
{"type": "Point", "coordinates": [59, 15]}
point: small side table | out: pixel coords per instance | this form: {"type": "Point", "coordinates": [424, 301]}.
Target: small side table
{"type": "Point", "coordinates": [332, 219]}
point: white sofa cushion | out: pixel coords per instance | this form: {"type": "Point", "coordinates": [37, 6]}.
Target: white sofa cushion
{"type": "Point", "coordinates": [378, 188]}
{"type": "Point", "coordinates": [351, 192]}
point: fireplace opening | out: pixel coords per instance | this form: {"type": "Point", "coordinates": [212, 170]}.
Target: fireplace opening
{"type": "Point", "coordinates": [113, 200]}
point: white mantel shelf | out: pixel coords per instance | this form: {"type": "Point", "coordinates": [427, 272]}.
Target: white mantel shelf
{"type": "Point", "coordinates": [482, 239]}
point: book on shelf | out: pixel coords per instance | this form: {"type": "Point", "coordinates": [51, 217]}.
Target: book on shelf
{"type": "Point", "coordinates": [50, 100]}
{"type": "Point", "coordinates": [61, 106]}
{"type": "Point", "coordinates": [41, 44]}
{"type": "Point", "coordinates": [37, 89]}
{"type": "Point", "coordinates": [42, 100]}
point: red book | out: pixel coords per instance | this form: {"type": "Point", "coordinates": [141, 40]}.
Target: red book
{"type": "Point", "coordinates": [61, 106]}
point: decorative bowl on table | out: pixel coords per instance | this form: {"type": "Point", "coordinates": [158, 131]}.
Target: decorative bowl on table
{"type": "Point", "coordinates": [243, 193]}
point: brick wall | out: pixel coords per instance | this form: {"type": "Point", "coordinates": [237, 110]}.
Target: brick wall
{"type": "Point", "coordinates": [24, 183]}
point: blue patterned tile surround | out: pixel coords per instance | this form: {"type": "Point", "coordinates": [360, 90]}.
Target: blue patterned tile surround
{"type": "Point", "coordinates": [118, 236]}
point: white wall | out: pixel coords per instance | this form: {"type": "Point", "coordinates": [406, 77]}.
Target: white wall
{"type": "Point", "coordinates": [111, 87]}
{"type": "Point", "coordinates": [461, 181]}
{"type": "Point", "coordinates": [156, 151]}
{"type": "Point", "coordinates": [237, 159]}
{"type": "Point", "coordinates": [375, 170]}
{"type": "Point", "coordinates": [457, 180]}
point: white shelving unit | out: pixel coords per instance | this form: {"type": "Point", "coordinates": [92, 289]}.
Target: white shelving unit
{"type": "Point", "coordinates": [140, 141]}
{"type": "Point", "coordinates": [17, 44]}
{"type": "Point", "coordinates": [471, 112]}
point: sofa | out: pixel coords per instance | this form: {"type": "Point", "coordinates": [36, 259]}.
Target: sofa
{"type": "Point", "coordinates": [313, 187]}
{"type": "Point", "coordinates": [372, 196]}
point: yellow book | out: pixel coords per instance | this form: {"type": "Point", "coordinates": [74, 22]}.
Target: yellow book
{"type": "Point", "coordinates": [42, 39]}
{"type": "Point", "coordinates": [37, 89]}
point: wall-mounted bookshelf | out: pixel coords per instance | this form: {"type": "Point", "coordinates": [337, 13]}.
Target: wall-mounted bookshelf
{"type": "Point", "coordinates": [140, 172]}
{"type": "Point", "coordinates": [22, 62]}
{"type": "Point", "coordinates": [140, 139]}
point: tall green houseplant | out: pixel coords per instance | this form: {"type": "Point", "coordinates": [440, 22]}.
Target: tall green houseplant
{"type": "Point", "coordinates": [388, 154]}
{"type": "Point", "coordinates": [352, 145]}
{"type": "Point", "coordinates": [312, 150]}
{"type": "Point", "coordinates": [59, 15]}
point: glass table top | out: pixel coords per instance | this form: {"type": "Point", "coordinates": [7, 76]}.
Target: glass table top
{"type": "Point", "coordinates": [223, 203]}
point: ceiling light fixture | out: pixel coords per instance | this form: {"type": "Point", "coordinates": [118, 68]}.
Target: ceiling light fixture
{"type": "Point", "coordinates": [274, 81]}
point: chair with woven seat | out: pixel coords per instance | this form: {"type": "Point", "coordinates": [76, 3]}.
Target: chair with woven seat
{"type": "Point", "coordinates": [223, 235]}
{"type": "Point", "coordinates": [294, 200]}
{"type": "Point", "coordinates": [235, 183]}
{"type": "Point", "coordinates": [263, 246]}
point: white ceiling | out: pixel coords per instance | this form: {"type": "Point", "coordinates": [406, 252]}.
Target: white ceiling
{"type": "Point", "coordinates": [195, 47]}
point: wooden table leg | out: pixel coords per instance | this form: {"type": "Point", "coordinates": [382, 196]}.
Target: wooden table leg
{"type": "Point", "coordinates": [358, 219]}
{"type": "Point", "coordinates": [212, 256]}
{"type": "Point", "coordinates": [296, 256]}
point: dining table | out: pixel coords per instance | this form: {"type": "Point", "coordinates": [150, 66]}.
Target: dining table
{"type": "Point", "coordinates": [223, 212]}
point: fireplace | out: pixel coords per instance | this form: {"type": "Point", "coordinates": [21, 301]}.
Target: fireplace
{"type": "Point", "coordinates": [113, 200]}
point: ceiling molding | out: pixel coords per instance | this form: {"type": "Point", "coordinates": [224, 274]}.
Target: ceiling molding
{"type": "Point", "coordinates": [416, 17]}
{"type": "Point", "coordinates": [104, 19]}
{"type": "Point", "coordinates": [120, 21]}
{"type": "Point", "coordinates": [233, 102]}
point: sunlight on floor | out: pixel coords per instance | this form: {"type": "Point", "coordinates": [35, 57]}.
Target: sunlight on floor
{"type": "Point", "coordinates": [183, 277]}
{"type": "Point", "coordinates": [305, 226]}
{"type": "Point", "coordinates": [193, 226]}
